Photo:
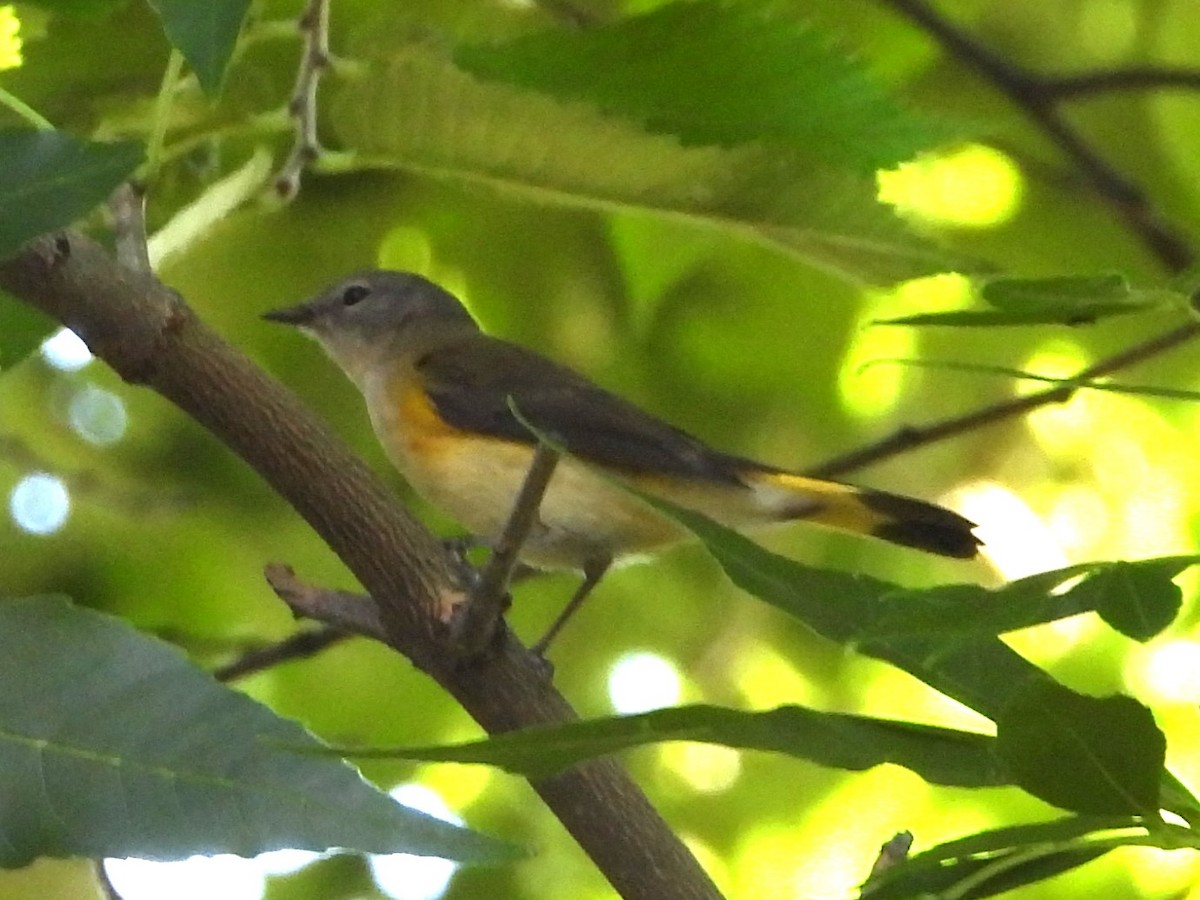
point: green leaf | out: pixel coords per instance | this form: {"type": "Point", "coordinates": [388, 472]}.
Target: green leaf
{"type": "Point", "coordinates": [1087, 754]}
{"type": "Point", "coordinates": [413, 110]}
{"type": "Point", "coordinates": [22, 330]}
{"type": "Point", "coordinates": [718, 73]}
{"type": "Point", "coordinates": [982, 673]}
{"type": "Point", "coordinates": [939, 755]}
{"type": "Point", "coordinates": [1001, 859]}
{"type": "Point", "coordinates": [205, 32]}
{"type": "Point", "coordinates": [1138, 598]}
{"type": "Point", "coordinates": [1066, 300]}
{"type": "Point", "coordinates": [113, 744]}
{"type": "Point", "coordinates": [843, 606]}
{"type": "Point", "coordinates": [48, 179]}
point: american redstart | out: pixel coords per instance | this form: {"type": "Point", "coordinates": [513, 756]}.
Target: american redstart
{"type": "Point", "coordinates": [440, 394]}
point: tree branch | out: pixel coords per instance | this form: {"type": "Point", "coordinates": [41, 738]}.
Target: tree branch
{"type": "Point", "coordinates": [1038, 97]}
{"type": "Point", "coordinates": [1131, 78]}
{"type": "Point", "coordinates": [911, 437]}
{"type": "Point", "coordinates": [149, 336]}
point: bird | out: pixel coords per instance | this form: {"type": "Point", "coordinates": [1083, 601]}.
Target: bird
{"type": "Point", "coordinates": [459, 413]}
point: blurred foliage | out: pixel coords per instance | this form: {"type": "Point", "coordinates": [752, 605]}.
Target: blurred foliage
{"type": "Point", "coordinates": [728, 288]}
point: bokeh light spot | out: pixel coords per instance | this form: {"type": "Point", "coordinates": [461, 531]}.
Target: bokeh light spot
{"type": "Point", "coordinates": [1166, 671]}
{"type": "Point", "coordinates": [408, 877]}
{"type": "Point", "coordinates": [10, 38]}
{"type": "Point", "coordinates": [195, 878]}
{"type": "Point", "coordinates": [706, 768]}
{"type": "Point", "coordinates": [98, 416]}
{"type": "Point", "coordinates": [639, 682]}
{"type": "Point", "coordinates": [971, 187]}
{"type": "Point", "coordinates": [1015, 539]}
{"type": "Point", "coordinates": [39, 504]}
{"type": "Point", "coordinates": [66, 351]}
{"type": "Point", "coordinates": [866, 390]}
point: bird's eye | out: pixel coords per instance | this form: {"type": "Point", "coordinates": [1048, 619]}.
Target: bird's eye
{"type": "Point", "coordinates": [354, 293]}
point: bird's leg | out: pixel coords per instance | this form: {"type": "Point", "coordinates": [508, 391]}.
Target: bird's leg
{"type": "Point", "coordinates": [593, 571]}
{"type": "Point", "coordinates": [461, 545]}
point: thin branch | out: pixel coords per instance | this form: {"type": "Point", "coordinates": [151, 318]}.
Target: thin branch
{"type": "Point", "coordinates": [911, 437]}
{"type": "Point", "coordinates": [892, 852]}
{"type": "Point", "coordinates": [314, 60]}
{"type": "Point", "coordinates": [1132, 78]}
{"type": "Point", "coordinates": [149, 335]}
{"type": "Point", "coordinates": [128, 208]}
{"type": "Point", "coordinates": [475, 626]}
{"type": "Point", "coordinates": [1030, 93]}
{"type": "Point", "coordinates": [346, 612]}
{"type": "Point", "coordinates": [302, 645]}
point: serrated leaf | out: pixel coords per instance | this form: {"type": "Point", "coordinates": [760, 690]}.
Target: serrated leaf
{"type": "Point", "coordinates": [1065, 300]}
{"type": "Point", "coordinates": [22, 330]}
{"type": "Point", "coordinates": [205, 32]}
{"type": "Point", "coordinates": [719, 73]}
{"type": "Point", "coordinates": [939, 755]}
{"type": "Point", "coordinates": [48, 179]}
{"type": "Point", "coordinates": [414, 110]}
{"type": "Point", "coordinates": [113, 744]}
{"type": "Point", "coordinates": [1087, 754]}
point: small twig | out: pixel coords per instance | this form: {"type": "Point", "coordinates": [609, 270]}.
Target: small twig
{"type": "Point", "coordinates": [1132, 78]}
{"type": "Point", "coordinates": [475, 625]}
{"type": "Point", "coordinates": [1032, 94]}
{"type": "Point", "coordinates": [301, 645]}
{"type": "Point", "coordinates": [128, 208]}
{"type": "Point", "coordinates": [341, 610]}
{"type": "Point", "coordinates": [894, 851]}
{"type": "Point", "coordinates": [314, 24]}
{"type": "Point", "coordinates": [911, 437]}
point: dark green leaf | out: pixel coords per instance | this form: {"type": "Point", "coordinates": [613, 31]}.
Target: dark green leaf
{"type": "Point", "coordinates": [974, 878]}
{"type": "Point", "coordinates": [205, 32]}
{"type": "Point", "coordinates": [22, 330]}
{"type": "Point", "coordinates": [49, 179]}
{"type": "Point", "coordinates": [1003, 858]}
{"type": "Point", "coordinates": [718, 73]}
{"type": "Point", "coordinates": [842, 606]}
{"type": "Point", "coordinates": [113, 744]}
{"type": "Point", "coordinates": [1088, 754]}
{"type": "Point", "coordinates": [1068, 300]}
{"type": "Point", "coordinates": [1137, 598]}
{"type": "Point", "coordinates": [939, 755]}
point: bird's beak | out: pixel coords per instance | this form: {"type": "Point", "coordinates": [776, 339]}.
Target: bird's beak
{"type": "Point", "coordinates": [292, 315]}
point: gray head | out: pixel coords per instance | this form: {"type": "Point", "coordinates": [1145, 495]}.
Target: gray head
{"type": "Point", "coordinates": [373, 315]}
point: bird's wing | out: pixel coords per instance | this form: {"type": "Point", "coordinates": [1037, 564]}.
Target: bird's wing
{"type": "Point", "coordinates": [470, 383]}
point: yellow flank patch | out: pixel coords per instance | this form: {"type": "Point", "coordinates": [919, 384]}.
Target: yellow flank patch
{"type": "Point", "coordinates": [421, 422]}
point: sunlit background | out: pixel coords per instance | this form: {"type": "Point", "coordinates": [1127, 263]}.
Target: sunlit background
{"type": "Point", "coordinates": [1099, 476]}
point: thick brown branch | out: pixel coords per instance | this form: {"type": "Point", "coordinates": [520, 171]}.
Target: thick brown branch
{"type": "Point", "coordinates": [148, 335]}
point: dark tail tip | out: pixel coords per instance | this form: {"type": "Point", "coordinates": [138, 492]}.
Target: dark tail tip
{"type": "Point", "coordinates": [914, 523]}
